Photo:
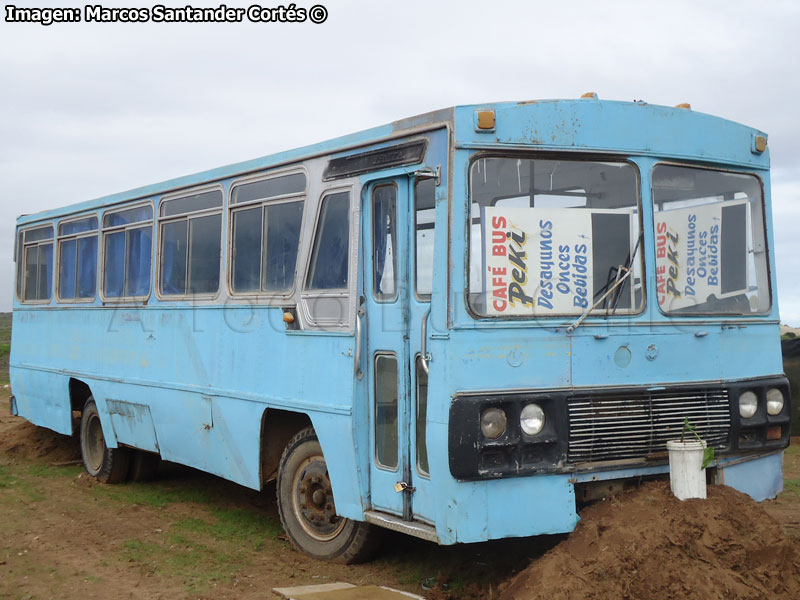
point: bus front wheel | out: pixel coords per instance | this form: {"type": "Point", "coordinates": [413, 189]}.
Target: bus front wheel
{"type": "Point", "coordinates": [108, 465]}
{"type": "Point", "coordinates": [307, 509]}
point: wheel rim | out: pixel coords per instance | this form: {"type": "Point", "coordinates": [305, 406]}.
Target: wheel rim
{"type": "Point", "coordinates": [94, 444]}
{"type": "Point", "coordinates": [313, 500]}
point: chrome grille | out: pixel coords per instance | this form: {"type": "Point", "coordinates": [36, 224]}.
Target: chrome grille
{"type": "Point", "coordinates": [635, 424]}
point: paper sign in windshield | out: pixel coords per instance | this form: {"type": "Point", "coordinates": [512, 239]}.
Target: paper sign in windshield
{"type": "Point", "coordinates": [537, 261]}
{"type": "Point", "coordinates": [701, 253]}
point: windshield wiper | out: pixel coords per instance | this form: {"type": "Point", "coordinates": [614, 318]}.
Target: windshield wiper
{"type": "Point", "coordinates": [628, 265]}
{"type": "Point", "coordinates": [620, 280]}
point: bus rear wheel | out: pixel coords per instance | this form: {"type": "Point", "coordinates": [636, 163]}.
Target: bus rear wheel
{"type": "Point", "coordinates": [307, 509]}
{"type": "Point", "coordinates": [108, 465]}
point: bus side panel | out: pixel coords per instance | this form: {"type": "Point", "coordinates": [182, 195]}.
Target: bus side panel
{"type": "Point", "coordinates": [206, 376]}
{"type": "Point", "coordinates": [42, 395]}
{"type": "Point", "coordinates": [42, 398]}
{"type": "Point", "coordinates": [335, 433]}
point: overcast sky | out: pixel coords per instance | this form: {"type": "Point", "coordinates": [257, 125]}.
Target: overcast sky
{"type": "Point", "coordinates": [89, 109]}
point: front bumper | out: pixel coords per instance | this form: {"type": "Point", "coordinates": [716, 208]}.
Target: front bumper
{"type": "Point", "coordinates": [597, 429]}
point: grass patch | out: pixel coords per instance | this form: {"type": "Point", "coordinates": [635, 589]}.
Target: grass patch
{"type": "Point", "coordinates": [18, 489]}
{"type": "Point", "coordinates": [240, 526]}
{"type": "Point", "coordinates": [197, 564]}
{"type": "Point", "coordinates": [50, 471]}
{"type": "Point", "coordinates": [791, 486]}
{"type": "Point", "coordinates": [153, 493]}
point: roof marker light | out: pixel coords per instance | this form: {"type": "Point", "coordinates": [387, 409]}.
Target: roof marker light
{"type": "Point", "coordinates": [759, 144]}
{"type": "Point", "coordinates": [485, 120]}
{"type": "Point", "coordinates": [685, 105]}
{"type": "Point", "coordinates": [590, 95]}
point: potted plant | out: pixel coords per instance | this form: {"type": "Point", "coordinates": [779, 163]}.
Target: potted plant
{"type": "Point", "coordinates": [688, 459]}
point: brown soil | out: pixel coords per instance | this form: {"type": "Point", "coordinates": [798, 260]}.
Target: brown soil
{"type": "Point", "coordinates": [69, 539]}
{"type": "Point", "coordinates": [648, 544]}
{"type": "Point", "coordinates": [21, 440]}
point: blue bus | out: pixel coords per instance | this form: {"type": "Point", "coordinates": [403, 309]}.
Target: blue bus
{"type": "Point", "coordinates": [462, 326]}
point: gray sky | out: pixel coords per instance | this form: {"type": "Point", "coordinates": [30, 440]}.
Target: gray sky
{"type": "Point", "coordinates": [89, 109]}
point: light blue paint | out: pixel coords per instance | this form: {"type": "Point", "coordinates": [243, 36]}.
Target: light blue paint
{"type": "Point", "coordinates": [133, 424]}
{"type": "Point", "coordinates": [761, 479]}
{"type": "Point", "coordinates": [194, 381]}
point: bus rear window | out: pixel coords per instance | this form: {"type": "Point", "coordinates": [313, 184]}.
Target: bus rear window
{"type": "Point", "coordinates": [554, 238]}
{"type": "Point", "coordinates": [711, 253]}
{"type": "Point", "coordinates": [37, 264]}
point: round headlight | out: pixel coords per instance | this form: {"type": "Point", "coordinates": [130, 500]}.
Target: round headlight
{"type": "Point", "coordinates": [774, 401]}
{"type": "Point", "coordinates": [532, 419]}
{"type": "Point", "coordinates": [748, 402]}
{"type": "Point", "coordinates": [493, 423]}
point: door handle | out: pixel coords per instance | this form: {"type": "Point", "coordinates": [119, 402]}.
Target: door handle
{"type": "Point", "coordinates": [424, 355]}
{"type": "Point", "coordinates": [357, 360]}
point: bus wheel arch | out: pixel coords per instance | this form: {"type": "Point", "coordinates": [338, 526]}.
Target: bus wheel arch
{"type": "Point", "coordinates": [79, 393]}
{"type": "Point", "coordinates": [307, 508]}
{"type": "Point", "coordinates": [277, 428]}
{"type": "Point", "coordinates": [107, 465]}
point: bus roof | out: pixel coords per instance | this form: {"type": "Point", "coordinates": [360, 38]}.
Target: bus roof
{"type": "Point", "coordinates": [586, 124]}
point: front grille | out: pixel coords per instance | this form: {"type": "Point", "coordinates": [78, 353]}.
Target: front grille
{"type": "Point", "coordinates": [626, 425]}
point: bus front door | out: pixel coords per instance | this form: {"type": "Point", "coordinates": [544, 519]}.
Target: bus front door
{"type": "Point", "coordinates": [398, 257]}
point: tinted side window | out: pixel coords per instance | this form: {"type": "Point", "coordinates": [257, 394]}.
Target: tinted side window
{"type": "Point", "coordinates": [77, 259]}
{"type": "Point", "coordinates": [127, 237]}
{"type": "Point", "coordinates": [191, 233]}
{"type": "Point", "coordinates": [266, 233]}
{"type": "Point", "coordinates": [265, 243]}
{"type": "Point", "coordinates": [37, 264]}
{"type": "Point", "coordinates": [329, 260]}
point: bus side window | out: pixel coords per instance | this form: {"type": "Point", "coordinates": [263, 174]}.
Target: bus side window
{"type": "Point", "coordinates": [37, 264]}
{"type": "Point", "coordinates": [191, 229]}
{"type": "Point", "coordinates": [424, 212]}
{"type": "Point", "coordinates": [77, 259]}
{"type": "Point", "coordinates": [329, 259]}
{"type": "Point", "coordinates": [127, 245]}
{"type": "Point", "coordinates": [266, 233]}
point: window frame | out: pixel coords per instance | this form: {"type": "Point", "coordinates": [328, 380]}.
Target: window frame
{"type": "Point", "coordinates": [138, 225]}
{"type": "Point", "coordinates": [188, 216]}
{"type": "Point", "coordinates": [232, 208]}
{"type": "Point", "coordinates": [346, 322]}
{"type": "Point", "coordinates": [75, 236]}
{"type": "Point", "coordinates": [424, 298]}
{"type": "Point", "coordinates": [312, 244]}
{"type": "Point", "coordinates": [765, 222]}
{"type": "Point", "coordinates": [22, 251]}
{"type": "Point", "coordinates": [598, 157]}
{"type": "Point", "coordinates": [385, 299]}
{"type": "Point", "coordinates": [397, 408]}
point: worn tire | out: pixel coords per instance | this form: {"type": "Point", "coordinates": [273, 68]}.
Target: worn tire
{"type": "Point", "coordinates": [144, 466]}
{"type": "Point", "coordinates": [307, 510]}
{"type": "Point", "coordinates": [108, 465]}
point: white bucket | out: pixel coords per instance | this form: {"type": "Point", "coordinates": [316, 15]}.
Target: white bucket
{"type": "Point", "coordinates": [687, 478]}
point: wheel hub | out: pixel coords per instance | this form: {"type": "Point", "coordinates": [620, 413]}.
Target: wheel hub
{"type": "Point", "coordinates": [315, 504]}
{"type": "Point", "coordinates": [95, 443]}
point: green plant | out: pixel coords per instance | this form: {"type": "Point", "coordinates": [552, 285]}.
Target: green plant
{"type": "Point", "coordinates": [708, 451]}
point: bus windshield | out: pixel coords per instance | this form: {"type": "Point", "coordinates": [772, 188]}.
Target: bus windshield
{"type": "Point", "coordinates": [710, 249]}
{"type": "Point", "coordinates": [554, 237]}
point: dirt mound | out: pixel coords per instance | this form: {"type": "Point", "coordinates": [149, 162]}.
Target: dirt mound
{"type": "Point", "coordinates": [20, 439]}
{"type": "Point", "coordinates": [647, 544]}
